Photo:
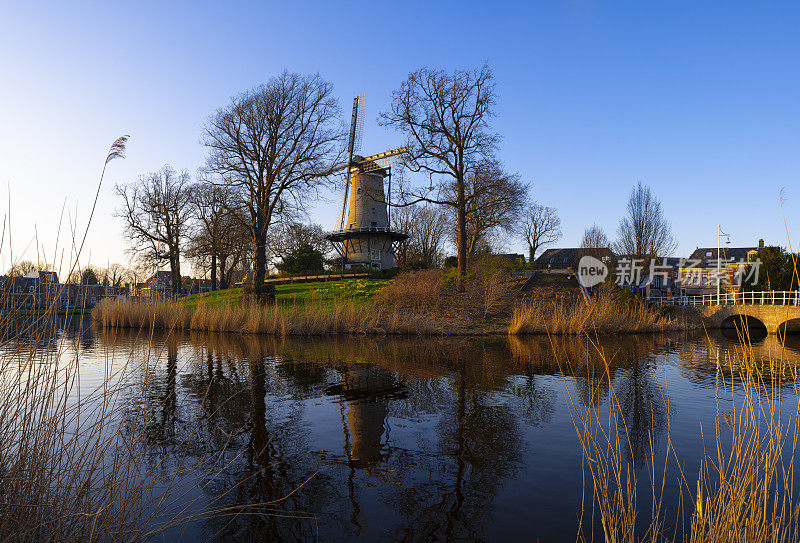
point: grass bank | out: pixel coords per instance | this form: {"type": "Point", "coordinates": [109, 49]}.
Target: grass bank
{"type": "Point", "coordinates": [360, 289]}
{"type": "Point", "coordinates": [425, 302]}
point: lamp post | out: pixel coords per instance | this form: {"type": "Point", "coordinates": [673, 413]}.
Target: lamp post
{"type": "Point", "coordinates": [720, 233]}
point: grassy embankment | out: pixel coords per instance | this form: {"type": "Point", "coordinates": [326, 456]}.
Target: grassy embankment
{"type": "Point", "coordinates": [413, 303]}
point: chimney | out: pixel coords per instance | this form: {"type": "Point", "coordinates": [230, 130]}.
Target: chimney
{"type": "Point", "coordinates": [760, 244]}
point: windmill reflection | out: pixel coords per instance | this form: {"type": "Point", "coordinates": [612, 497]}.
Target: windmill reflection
{"type": "Point", "coordinates": [366, 391]}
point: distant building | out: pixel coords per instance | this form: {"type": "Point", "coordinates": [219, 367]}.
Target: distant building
{"type": "Point", "coordinates": [698, 273]}
{"type": "Point", "coordinates": [42, 290]}
{"type": "Point", "coordinates": [159, 287]}
{"type": "Point", "coordinates": [567, 259]}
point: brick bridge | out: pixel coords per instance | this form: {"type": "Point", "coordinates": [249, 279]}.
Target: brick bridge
{"type": "Point", "coordinates": [785, 318]}
{"type": "Point", "coordinates": [775, 310]}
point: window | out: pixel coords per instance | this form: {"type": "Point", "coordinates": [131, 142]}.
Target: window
{"type": "Point", "coordinates": [708, 253]}
{"type": "Point", "coordinates": [373, 224]}
{"type": "Point", "coordinates": [565, 259]}
{"type": "Point", "coordinates": [375, 254]}
{"type": "Point", "coordinates": [373, 210]}
{"type": "Point", "coordinates": [551, 260]}
{"type": "Point", "coordinates": [358, 191]}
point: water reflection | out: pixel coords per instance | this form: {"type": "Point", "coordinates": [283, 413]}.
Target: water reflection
{"type": "Point", "coordinates": [412, 439]}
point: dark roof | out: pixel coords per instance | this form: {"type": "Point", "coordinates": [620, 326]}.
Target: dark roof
{"type": "Point", "coordinates": [569, 255]}
{"type": "Point", "coordinates": [728, 253]}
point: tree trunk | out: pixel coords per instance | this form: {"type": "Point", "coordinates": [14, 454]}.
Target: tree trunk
{"type": "Point", "coordinates": [531, 253]}
{"type": "Point", "coordinates": [462, 237]}
{"type": "Point", "coordinates": [259, 264]}
{"type": "Point", "coordinates": [175, 269]}
{"type": "Point", "coordinates": [213, 270]}
{"type": "Point", "coordinates": [223, 277]}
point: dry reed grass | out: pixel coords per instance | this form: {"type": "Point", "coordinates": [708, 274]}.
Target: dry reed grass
{"type": "Point", "coordinates": [73, 461]}
{"type": "Point", "coordinates": [313, 318]}
{"type": "Point", "coordinates": [607, 314]}
{"type": "Point", "coordinates": [744, 490]}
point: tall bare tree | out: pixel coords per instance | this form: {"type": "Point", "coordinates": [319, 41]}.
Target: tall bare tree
{"type": "Point", "coordinates": [22, 268]}
{"type": "Point", "coordinates": [156, 212]}
{"type": "Point", "coordinates": [644, 232]}
{"type": "Point", "coordinates": [427, 228]}
{"type": "Point", "coordinates": [541, 226]}
{"type": "Point", "coordinates": [274, 144]}
{"type": "Point", "coordinates": [114, 275]}
{"type": "Point", "coordinates": [445, 117]}
{"type": "Point", "coordinates": [211, 212]}
{"type": "Point", "coordinates": [494, 202]}
{"type": "Point", "coordinates": [594, 237]}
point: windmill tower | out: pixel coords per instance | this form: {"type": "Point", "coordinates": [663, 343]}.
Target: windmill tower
{"type": "Point", "coordinates": [365, 237]}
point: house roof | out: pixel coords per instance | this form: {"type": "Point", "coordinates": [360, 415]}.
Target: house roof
{"type": "Point", "coordinates": [568, 254]}
{"type": "Point", "coordinates": [728, 253]}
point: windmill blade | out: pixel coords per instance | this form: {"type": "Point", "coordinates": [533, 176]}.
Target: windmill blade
{"type": "Point", "coordinates": [382, 160]}
{"type": "Point", "coordinates": [356, 127]}
{"type": "Point", "coordinates": [358, 111]}
{"type": "Point", "coordinates": [353, 145]}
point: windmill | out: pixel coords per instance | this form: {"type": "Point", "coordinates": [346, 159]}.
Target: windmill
{"type": "Point", "coordinates": [365, 237]}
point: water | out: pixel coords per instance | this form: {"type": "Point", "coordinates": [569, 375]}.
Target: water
{"type": "Point", "coordinates": [413, 439]}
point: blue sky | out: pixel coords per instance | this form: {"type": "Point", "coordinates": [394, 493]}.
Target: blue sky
{"type": "Point", "coordinates": [697, 100]}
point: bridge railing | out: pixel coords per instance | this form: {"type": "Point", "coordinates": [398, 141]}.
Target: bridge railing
{"type": "Point", "coordinates": [768, 297]}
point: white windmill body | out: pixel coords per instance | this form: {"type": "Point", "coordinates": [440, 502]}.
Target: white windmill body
{"type": "Point", "coordinates": [365, 238]}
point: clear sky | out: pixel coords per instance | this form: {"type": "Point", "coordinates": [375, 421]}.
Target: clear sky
{"type": "Point", "coordinates": [699, 100]}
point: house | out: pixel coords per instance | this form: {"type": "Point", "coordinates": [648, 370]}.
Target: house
{"type": "Point", "coordinates": [663, 277]}
{"type": "Point", "coordinates": [42, 290]}
{"type": "Point", "coordinates": [567, 258]}
{"type": "Point", "coordinates": [159, 287]}
{"type": "Point", "coordinates": [698, 273]}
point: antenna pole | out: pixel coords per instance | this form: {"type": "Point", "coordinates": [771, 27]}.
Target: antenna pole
{"type": "Point", "coordinates": [389, 207]}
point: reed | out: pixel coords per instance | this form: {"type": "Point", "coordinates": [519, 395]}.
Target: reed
{"type": "Point", "coordinates": [74, 461]}
{"type": "Point", "coordinates": [744, 488]}
{"type": "Point", "coordinates": [607, 314]}
{"type": "Point", "coordinates": [313, 318]}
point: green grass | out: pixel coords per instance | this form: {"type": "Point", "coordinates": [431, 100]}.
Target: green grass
{"type": "Point", "coordinates": [296, 293]}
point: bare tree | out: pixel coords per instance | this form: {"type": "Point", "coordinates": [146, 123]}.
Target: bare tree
{"type": "Point", "coordinates": [644, 232]}
{"type": "Point", "coordinates": [494, 201]}
{"type": "Point", "coordinates": [114, 275]}
{"type": "Point", "coordinates": [427, 228]}
{"type": "Point", "coordinates": [22, 268]}
{"type": "Point", "coordinates": [156, 212]}
{"type": "Point", "coordinates": [541, 226]}
{"type": "Point", "coordinates": [595, 238]}
{"type": "Point", "coordinates": [211, 210]}
{"type": "Point", "coordinates": [274, 144]}
{"type": "Point", "coordinates": [445, 118]}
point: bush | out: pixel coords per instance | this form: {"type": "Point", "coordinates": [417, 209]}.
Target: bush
{"type": "Point", "coordinates": [305, 260]}
{"type": "Point", "coordinates": [451, 262]}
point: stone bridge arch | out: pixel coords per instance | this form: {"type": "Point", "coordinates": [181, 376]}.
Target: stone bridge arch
{"type": "Point", "coordinates": [785, 318]}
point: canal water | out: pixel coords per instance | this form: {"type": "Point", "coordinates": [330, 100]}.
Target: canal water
{"type": "Point", "coordinates": [412, 439]}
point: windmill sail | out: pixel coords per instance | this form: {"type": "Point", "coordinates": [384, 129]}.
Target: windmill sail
{"type": "Point", "coordinates": [353, 147]}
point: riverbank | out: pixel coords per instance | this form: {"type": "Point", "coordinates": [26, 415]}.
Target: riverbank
{"type": "Point", "coordinates": [423, 303]}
